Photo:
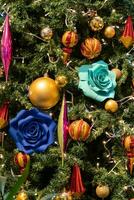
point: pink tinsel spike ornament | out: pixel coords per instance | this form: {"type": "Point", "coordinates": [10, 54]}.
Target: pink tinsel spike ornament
{"type": "Point", "coordinates": [6, 46]}
{"type": "Point", "coordinates": [77, 188]}
{"type": "Point", "coordinates": [127, 37]}
{"type": "Point", "coordinates": [63, 128]}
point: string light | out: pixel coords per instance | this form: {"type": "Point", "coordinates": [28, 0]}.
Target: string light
{"type": "Point", "coordinates": [110, 136]}
{"type": "Point", "coordinates": [98, 164]}
{"type": "Point", "coordinates": [13, 174]}
{"type": "Point", "coordinates": [128, 53]}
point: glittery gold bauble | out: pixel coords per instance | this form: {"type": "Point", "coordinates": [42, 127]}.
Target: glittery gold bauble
{"type": "Point", "coordinates": [66, 196]}
{"type": "Point", "coordinates": [102, 191]}
{"type": "Point", "coordinates": [111, 106]}
{"type": "Point", "coordinates": [96, 23]}
{"type": "Point", "coordinates": [22, 196]}
{"type": "Point", "coordinates": [117, 72]}
{"type": "Point", "coordinates": [109, 32]}
{"type": "Point", "coordinates": [61, 80]}
{"type": "Point", "coordinates": [46, 33]}
{"type": "Point", "coordinates": [44, 93]}
{"type": "Point", "coordinates": [89, 116]}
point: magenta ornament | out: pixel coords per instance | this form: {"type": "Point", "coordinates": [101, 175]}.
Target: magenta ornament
{"type": "Point", "coordinates": [6, 47]}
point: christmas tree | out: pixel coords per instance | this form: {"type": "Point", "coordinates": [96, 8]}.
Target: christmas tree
{"type": "Point", "coordinates": [67, 99]}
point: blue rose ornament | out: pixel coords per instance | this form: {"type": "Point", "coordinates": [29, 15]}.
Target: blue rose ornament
{"type": "Point", "coordinates": [32, 130]}
{"type": "Point", "coordinates": [97, 81]}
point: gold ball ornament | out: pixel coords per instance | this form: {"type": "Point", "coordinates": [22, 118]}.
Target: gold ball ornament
{"type": "Point", "coordinates": [46, 33]}
{"type": "Point", "coordinates": [61, 80]}
{"type": "Point", "coordinates": [96, 23]}
{"type": "Point", "coordinates": [64, 196]}
{"type": "Point", "coordinates": [109, 32]}
{"type": "Point", "coordinates": [22, 196]}
{"type": "Point", "coordinates": [111, 106]}
{"type": "Point", "coordinates": [91, 48]}
{"type": "Point", "coordinates": [44, 93]}
{"type": "Point", "coordinates": [102, 191]}
{"type": "Point", "coordinates": [117, 72]}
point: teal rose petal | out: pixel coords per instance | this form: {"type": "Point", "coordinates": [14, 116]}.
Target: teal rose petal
{"type": "Point", "coordinates": [96, 81]}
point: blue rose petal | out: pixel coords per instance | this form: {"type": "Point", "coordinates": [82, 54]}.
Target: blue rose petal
{"type": "Point", "coordinates": [48, 119]}
{"type": "Point", "coordinates": [32, 130]}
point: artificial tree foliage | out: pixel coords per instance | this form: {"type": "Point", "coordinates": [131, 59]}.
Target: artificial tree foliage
{"type": "Point", "coordinates": [102, 157]}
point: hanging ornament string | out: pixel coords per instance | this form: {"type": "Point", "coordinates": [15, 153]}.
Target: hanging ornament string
{"type": "Point", "coordinates": [89, 13]}
{"type": "Point", "coordinates": [13, 174]}
{"type": "Point", "coordinates": [125, 100]}
{"type": "Point", "coordinates": [112, 170]}
{"type": "Point", "coordinates": [31, 34]}
{"type": "Point", "coordinates": [70, 19]}
{"type": "Point", "coordinates": [50, 58]}
{"type": "Point", "coordinates": [19, 58]}
{"type": "Point", "coordinates": [128, 53]}
{"type": "Point", "coordinates": [103, 4]}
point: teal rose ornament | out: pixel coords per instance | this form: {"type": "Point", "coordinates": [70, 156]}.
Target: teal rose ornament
{"type": "Point", "coordinates": [97, 81]}
{"type": "Point", "coordinates": [32, 130]}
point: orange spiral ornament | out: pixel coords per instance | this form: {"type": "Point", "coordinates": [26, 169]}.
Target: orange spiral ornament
{"type": "Point", "coordinates": [79, 130]}
{"type": "Point", "coordinates": [128, 143]}
{"type": "Point", "coordinates": [69, 39]}
{"type": "Point", "coordinates": [21, 159]}
{"type": "Point", "coordinates": [91, 48]}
